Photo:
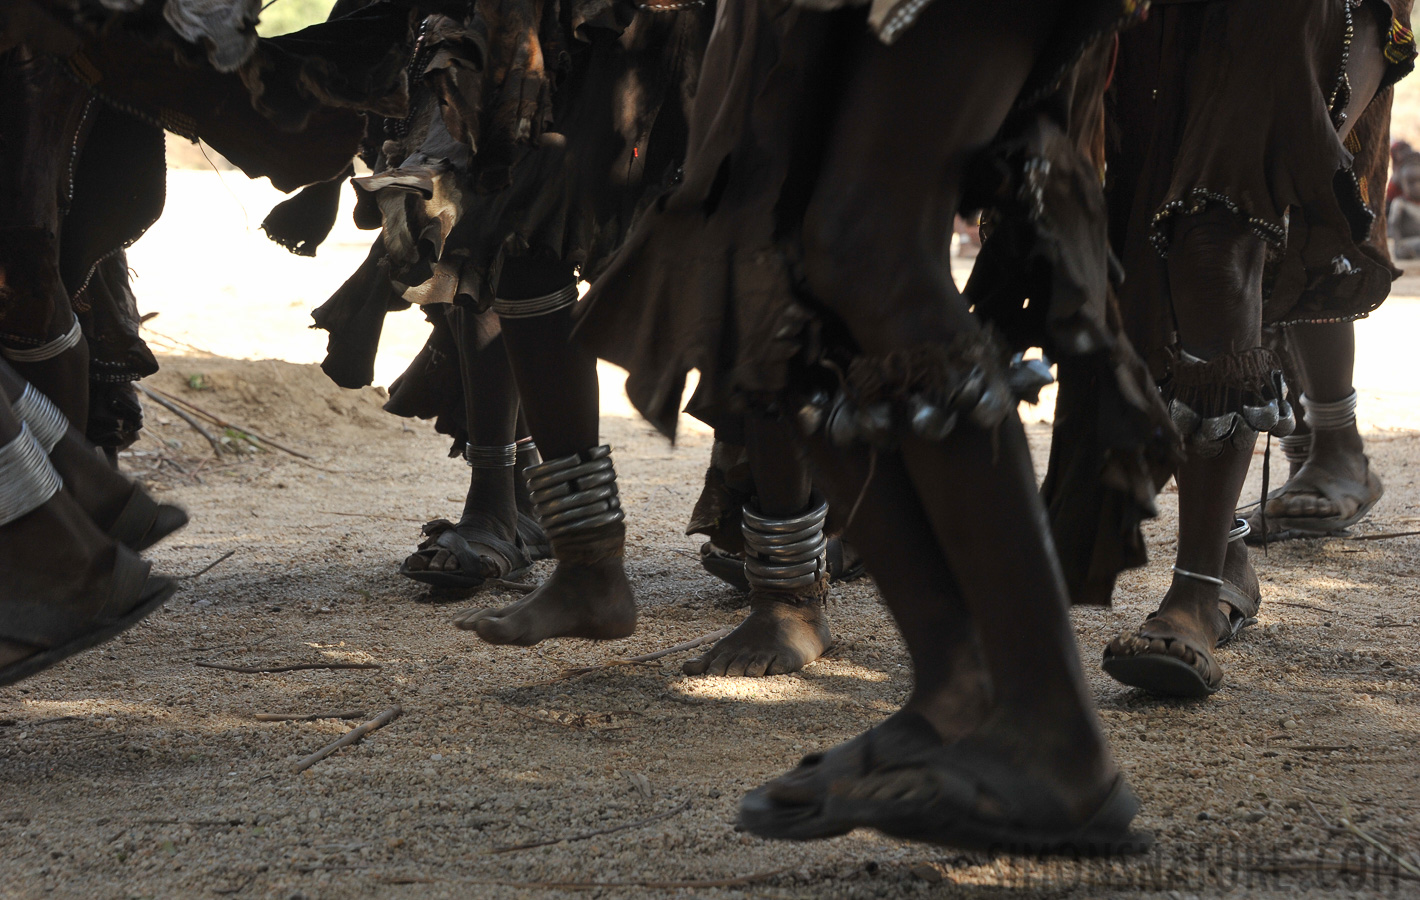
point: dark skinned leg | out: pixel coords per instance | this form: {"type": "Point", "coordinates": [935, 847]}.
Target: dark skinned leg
{"type": "Point", "coordinates": [64, 380]}
{"type": "Point", "coordinates": [873, 254]}
{"type": "Point", "coordinates": [950, 684]}
{"type": "Point", "coordinates": [96, 486]}
{"type": "Point", "coordinates": [1326, 352]}
{"type": "Point", "coordinates": [1215, 276]}
{"type": "Point", "coordinates": [557, 380]}
{"type": "Point", "coordinates": [778, 636]}
{"type": "Point", "coordinates": [53, 556]}
{"type": "Point", "coordinates": [490, 410]}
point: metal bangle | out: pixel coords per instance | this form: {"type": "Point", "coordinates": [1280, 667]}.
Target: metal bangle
{"type": "Point", "coordinates": [47, 423]}
{"type": "Point", "coordinates": [490, 457]}
{"type": "Point", "coordinates": [575, 493]}
{"type": "Point", "coordinates": [1330, 416]}
{"type": "Point", "coordinates": [67, 341]}
{"type": "Point", "coordinates": [1241, 529]}
{"type": "Point", "coordinates": [27, 478]}
{"type": "Point", "coordinates": [1206, 579]}
{"type": "Point", "coordinates": [785, 554]}
{"type": "Point", "coordinates": [536, 306]}
{"type": "Point", "coordinates": [1296, 447]}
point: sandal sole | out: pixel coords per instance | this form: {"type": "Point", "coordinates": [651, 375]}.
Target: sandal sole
{"type": "Point", "coordinates": [1159, 674]}
{"type": "Point", "coordinates": [157, 591]}
{"type": "Point", "coordinates": [456, 580]}
{"type": "Point", "coordinates": [765, 818]}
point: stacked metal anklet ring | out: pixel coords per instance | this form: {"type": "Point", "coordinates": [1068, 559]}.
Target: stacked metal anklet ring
{"type": "Point", "coordinates": [575, 493]}
{"type": "Point", "coordinates": [500, 457]}
{"type": "Point", "coordinates": [27, 477]}
{"type": "Point", "coordinates": [68, 341]}
{"type": "Point", "coordinates": [1330, 416]}
{"type": "Point", "coordinates": [1296, 447]}
{"type": "Point", "coordinates": [536, 306]}
{"type": "Point", "coordinates": [785, 554]}
{"type": "Point", "coordinates": [46, 422]}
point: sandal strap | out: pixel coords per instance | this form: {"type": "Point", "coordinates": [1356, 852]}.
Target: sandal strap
{"type": "Point", "coordinates": [136, 518]}
{"type": "Point", "coordinates": [506, 556]}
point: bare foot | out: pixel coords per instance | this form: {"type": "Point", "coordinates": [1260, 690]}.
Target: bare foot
{"type": "Point", "coordinates": [591, 601]}
{"type": "Point", "coordinates": [775, 639]}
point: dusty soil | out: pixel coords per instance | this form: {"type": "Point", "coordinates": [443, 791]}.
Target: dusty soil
{"type": "Point", "coordinates": [132, 771]}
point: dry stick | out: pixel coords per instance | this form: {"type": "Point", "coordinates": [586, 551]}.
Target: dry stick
{"type": "Point", "coordinates": [1345, 822]}
{"type": "Point", "coordinates": [218, 420]}
{"type": "Point", "coordinates": [1384, 537]}
{"type": "Point", "coordinates": [517, 587]}
{"type": "Point", "coordinates": [372, 516]}
{"type": "Point", "coordinates": [350, 737]}
{"type": "Point", "coordinates": [651, 885]}
{"type": "Point", "coordinates": [635, 660]}
{"type": "Point", "coordinates": [312, 717]}
{"type": "Point", "coordinates": [598, 833]}
{"type": "Point", "coordinates": [217, 562]}
{"type": "Point", "coordinates": [182, 414]}
{"type": "Point", "coordinates": [267, 670]}
{"type": "Point", "coordinates": [1303, 606]}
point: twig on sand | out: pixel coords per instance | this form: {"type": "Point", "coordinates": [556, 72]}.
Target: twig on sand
{"type": "Point", "coordinates": [182, 414]}
{"type": "Point", "coordinates": [1345, 822]}
{"type": "Point", "coordinates": [635, 660]}
{"type": "Point", "coordinates": [598, 833]}
{"type": "Point", "coordinates": [1384, 537]}
{"type": "Point", "coordinates": [356, 515]}
{"type": "Point", "coordinates": [741, 881]}
{"type": "Point", "coordinates": [350, 737]}
{"type": "Point", "coordinates": [219, 421]}
{"type": "Point", "coordinates": [1325, 824]}
{"type": "Point", "coordinates": [269, 670]}
{"type": "Point", "coordinates": [1303, 606]}
{"type": "Point", "coordinates": [210, 566]}
{"type": "Point", "coordinates": [307, 717]}
{"type": "Point", "coordinates": [517, 587]}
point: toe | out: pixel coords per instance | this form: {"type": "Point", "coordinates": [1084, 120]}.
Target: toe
{"type": "Point", "coordinates": [737, 666]}
{"type": "Point", "coordinates": [696, 666]}
{"type": "Point", "coordinates": [783, 664]}
{"type": "Point", "coordinates": [469, 618]}
{"type": "Point", "coordinates": [496, 630]}
{"type": "Point", "coordinates": [416, 562]}
{"type": "Point", "coordinates": [718, 663]}
{"type": "Point", "coordinates": [758, 664]}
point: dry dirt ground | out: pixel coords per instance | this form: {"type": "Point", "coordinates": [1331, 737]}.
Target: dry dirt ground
{"type": "Point", "coordinates": [133, 771]}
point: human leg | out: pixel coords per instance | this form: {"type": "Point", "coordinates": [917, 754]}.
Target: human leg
{"type": "Point", "coordinates": [574, 489]}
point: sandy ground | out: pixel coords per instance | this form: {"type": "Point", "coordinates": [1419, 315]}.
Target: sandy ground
{"type": "Point", "coordinates": [134, 772]}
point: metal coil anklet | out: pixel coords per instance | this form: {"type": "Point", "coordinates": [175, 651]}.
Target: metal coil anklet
{"type": "Point", "coordinates": [27, 478]}
{"type": "Point", "coordinates": [1330, 416]}
{"type": "Point", "coordinates": [1296, 447]}
{"type": "Point", "coordinates": [47, 423]}
{"type": "Point", "coordinates": [536, 306]}
{"type": "Point", "coordinates": [578, 506]}
{"type": "Point", "coordinates": [68, 341]}
{"type": "Point", "coordinates": [785, 555]}
{"type": "Point", "coordinates": [490, 457]}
